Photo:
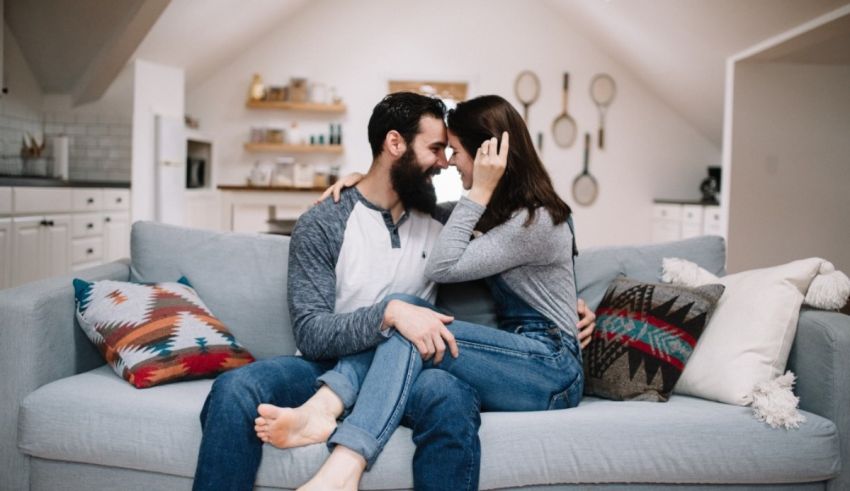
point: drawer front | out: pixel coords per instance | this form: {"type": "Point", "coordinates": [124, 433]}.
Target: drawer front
{"type": "Point", "coordinates": [86, 199]}
{"type": "Point", "coordinates": [86, 250]}
{"type": "Point", "coordinates": [666, 231]}
{"type": "Point", "coordinates": [691, 230]}
{"type": "Point", "coordinates": [33, 201]}
{"type": "Point", "coordinates": [87, 225]}
{"type": "Point", "coordinates": [692, 214]}
{"type": "Point", "coordinates": [116, 199]}
{"type": "Point", "coordinates": [712, 221]}
{"type": "Point", "coordinates": [667, 212]}
{"type": "Point", "coordinates": [5, 201]}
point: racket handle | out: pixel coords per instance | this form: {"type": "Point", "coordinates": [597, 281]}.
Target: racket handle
{"type": "Point", "coordinates": [601, 137]}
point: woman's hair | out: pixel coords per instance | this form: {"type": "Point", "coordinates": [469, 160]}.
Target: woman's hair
{"type": "Point", "coordinates": [525, 184]}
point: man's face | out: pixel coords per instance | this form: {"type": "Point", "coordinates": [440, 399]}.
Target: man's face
{"type": "Point", "coordinates": [425, 157]}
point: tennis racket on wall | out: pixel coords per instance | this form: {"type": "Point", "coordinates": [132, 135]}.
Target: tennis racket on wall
{"type": "Point", "coordinates": [527, 90]}
{"type": "Point", "coordinates": [602, 91]}
{"type": "Point", "coordinates": [564, 129]}
{"type": "Point", "coordinates": [585, 188]}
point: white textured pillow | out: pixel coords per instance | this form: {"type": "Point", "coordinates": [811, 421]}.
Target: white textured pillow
{"type": "Point", "coordinates": [748, 338]}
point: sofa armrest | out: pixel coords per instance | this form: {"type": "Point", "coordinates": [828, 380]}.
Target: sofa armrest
{"type": "Point", "coordinates": [40, 343]}
{"type": "Point", "coordinates": [820, 357]}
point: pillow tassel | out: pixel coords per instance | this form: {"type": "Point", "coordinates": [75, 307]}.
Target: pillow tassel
{"type": "Point", "coordinates": [829, 290]}
{"type": "Point", "coordinates": [774, 402]}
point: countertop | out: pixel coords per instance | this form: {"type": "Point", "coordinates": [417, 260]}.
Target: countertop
{"type": "Point", "coordinates": [24, 181]}
{"type": "Point", "coordinates": [661, 201]}
{"type": "Point", "coordinates": [242, 187]}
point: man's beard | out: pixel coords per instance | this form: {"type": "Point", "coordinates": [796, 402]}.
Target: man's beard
{"type": "Point", "coordinates": [411, 183]}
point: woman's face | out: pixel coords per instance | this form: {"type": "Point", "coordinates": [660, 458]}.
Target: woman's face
{"type": "Point", "coordinates": [461, 160]}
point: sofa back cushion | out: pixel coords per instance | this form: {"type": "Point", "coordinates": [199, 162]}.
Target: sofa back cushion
{"type": "Point", "coordinates": [241, 277]}
{"type": "Point", "coordinates": [596, 269]}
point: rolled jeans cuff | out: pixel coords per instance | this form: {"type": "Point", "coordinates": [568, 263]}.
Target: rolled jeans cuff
{"type": "Point", "coordinates": [356, 439]}
{"type": "Point", "coordinates": [340, 386]}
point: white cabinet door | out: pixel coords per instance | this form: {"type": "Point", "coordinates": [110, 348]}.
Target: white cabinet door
{"type": "Point", "coordinates": [5, 252]}
{"type": "Point", "coordinates": [116, 236]}
{"type": "Point", "coordinates": [29, 264]}
{"type": "Point", "coordinates": [57, 245]}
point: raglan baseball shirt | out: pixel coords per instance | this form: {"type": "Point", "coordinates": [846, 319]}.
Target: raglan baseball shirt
{"type": "Point", "coordinates": [344, 259]}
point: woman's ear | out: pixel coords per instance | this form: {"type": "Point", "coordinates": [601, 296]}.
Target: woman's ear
{"type": "Point", "coordinates": [394, 144]}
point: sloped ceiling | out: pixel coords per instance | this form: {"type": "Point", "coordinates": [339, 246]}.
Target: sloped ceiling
{"type": "Point", "coordinates": [678, 48]}
{"type": "Point", "coordinates": [202, 36]}
{"type": "Point", "coordinates": [77, 47]}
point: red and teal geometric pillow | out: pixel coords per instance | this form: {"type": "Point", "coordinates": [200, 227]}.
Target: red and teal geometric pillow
{"type": "Point", "coordinates": [155, 333]}
{"type": "Point", "coordinates": [645, 333]}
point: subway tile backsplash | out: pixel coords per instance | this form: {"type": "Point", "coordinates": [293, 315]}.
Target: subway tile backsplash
{"type": "Point", "coordinates": [100, 146]}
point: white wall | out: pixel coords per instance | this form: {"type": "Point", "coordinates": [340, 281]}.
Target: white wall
{"type": "Point", "coordinates": [651, 152]}
{"type": "Point", "coordinates": [157, 89]}
{"type": "Point", "coordinates": [790, 181]}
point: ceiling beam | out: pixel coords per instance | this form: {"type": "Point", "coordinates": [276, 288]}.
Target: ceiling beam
{"type": "Point", "coordinates": [112, 57]}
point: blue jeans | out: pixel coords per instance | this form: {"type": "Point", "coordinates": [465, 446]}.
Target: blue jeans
{"type": "Point", "coordinates": [442, 411]}
{"type": "Point", "coordinates": [536, 368]}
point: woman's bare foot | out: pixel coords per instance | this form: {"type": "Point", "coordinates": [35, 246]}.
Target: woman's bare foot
{"type": "Point", "coordinates": [342, 472]}
{"type": "Point", "coordinates": [310, 423]}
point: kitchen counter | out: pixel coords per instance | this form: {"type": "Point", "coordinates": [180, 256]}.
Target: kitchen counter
{"type": "Point", "coordinates": [242, 187]}
{"type": "Point", "coordinates": [24, 181]}
{"type": "Point", "coordinates": [660, 201]}
{"type": "Point", "coordinates": [241, 202]}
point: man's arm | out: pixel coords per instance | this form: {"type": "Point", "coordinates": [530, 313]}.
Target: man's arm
{"type": "Point", "coordinates": [319, 332]}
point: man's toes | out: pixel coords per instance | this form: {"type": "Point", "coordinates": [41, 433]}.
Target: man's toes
{"type": "Point", "coordinates": [268, 411]}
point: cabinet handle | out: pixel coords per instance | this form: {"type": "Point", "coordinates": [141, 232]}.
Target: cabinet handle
{"type": "Point", "coordinates": [89, 226]}
{"type": "Point", "coordinates": [118, 200]}
{"type": "Point", "coordinates": [107, 219]}
{"type": "Point", "coordinates": [43, 223]}
{"type": "Point", "coordinates": [89, 251]}
{"type": "Point", "coordinates": [90, 201]}
{"type": "Point", "coordinates": [50, 223]}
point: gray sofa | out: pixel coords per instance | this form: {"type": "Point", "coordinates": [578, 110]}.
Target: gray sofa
{"type": "Point", "coordinates": [69, 423]}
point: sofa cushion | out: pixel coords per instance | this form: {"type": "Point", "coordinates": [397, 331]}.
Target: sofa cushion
{"type": "Point", "coordinates": [155, 333]}
{"type": "Point", "coordinates": [96, 418]}
{"type": "Point", "coordinates": [596, 268]}
{"type": "Point", "coordinates": [241, 277]}
{"type": "Point", "coordinates": [645, 333]}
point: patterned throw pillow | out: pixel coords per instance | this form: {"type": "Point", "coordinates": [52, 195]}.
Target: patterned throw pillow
{"type": "Point", "coordinates": [644, 335]}
{"type": "Point", "coordinates": [155, 333]}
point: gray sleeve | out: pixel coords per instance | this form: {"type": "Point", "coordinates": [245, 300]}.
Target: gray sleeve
{"type": "Point", "coordinates": [455, 257]}
{"type": "Point", "coordinates": [313, 252]}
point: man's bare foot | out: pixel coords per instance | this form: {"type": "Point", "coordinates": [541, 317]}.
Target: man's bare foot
{"type": "Point", "coordinates": [341, 472]}
{"type": "Point", "coordinates": [286, 427]}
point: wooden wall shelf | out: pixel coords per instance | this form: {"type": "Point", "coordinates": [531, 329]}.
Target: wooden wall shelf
{"type": "Point", "coordinates": [297, 106]}
{"type": "Point", "coordinates": [284, 148]}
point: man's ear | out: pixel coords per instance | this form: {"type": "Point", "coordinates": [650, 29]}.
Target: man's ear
{"type": "Point", "coordinates": [394, 144]}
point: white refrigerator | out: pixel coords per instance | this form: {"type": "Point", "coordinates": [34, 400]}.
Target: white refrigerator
{"type": "Point", "coordinates": [170, 171]}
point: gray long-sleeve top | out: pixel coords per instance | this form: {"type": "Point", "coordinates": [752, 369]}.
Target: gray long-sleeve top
{"type": "Point", "coordinates": [535, 261]}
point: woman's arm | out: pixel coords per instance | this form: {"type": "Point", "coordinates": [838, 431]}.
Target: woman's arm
{"type": "Point", "coordinates": [456, 257]}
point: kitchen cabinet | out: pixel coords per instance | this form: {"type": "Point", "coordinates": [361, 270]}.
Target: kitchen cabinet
{"type": "Point", "coordinates": [54, 230]}
{"type": "Point", "coordinates": [41, 247]}
{"type": "Point", "coordinates": [5, 252]}
{"type": "Point", "coordinates": [682, 220]}
{"type": "Point", "coordinates": [116, 236]}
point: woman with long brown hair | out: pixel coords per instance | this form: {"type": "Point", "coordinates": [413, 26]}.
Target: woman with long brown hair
{"type": "Point", "coordinates": [513, 231]}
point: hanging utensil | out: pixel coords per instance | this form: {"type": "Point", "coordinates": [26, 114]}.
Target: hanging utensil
{"type": "Point", "coordinates": [527, 90]}
{"type": "Point", "coordinates": [585, 188]}
{"type": "Point", "coordinates": [564, 127]}
{"type": "Point", "coordinates": [602, 91]}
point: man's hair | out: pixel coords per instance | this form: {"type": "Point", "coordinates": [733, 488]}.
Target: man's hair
{"type": "Point", "coordinates": [401, 111]}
